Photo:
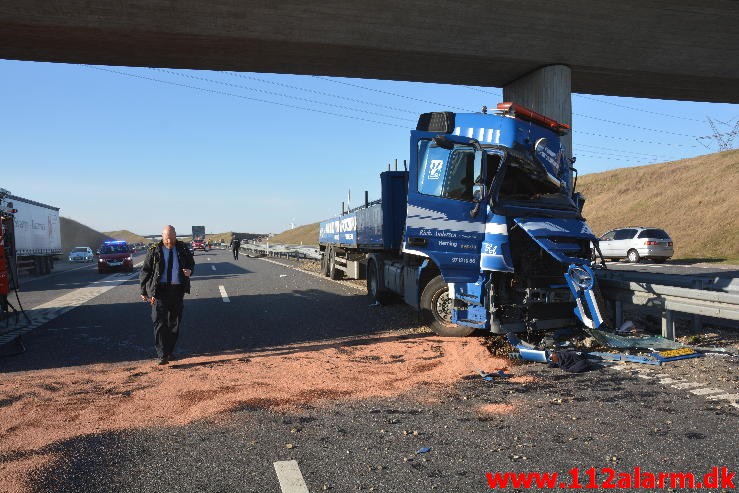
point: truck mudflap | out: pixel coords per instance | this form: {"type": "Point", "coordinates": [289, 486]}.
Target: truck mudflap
{"type": "Point", "coordinates": [561, 239]}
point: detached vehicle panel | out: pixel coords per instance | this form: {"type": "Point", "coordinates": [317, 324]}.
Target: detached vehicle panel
{"type": "Point", "coordinates": [483, 231]}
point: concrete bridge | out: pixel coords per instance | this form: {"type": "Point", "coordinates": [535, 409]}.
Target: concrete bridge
{"type": "Point", "coordinates": [537, 51]}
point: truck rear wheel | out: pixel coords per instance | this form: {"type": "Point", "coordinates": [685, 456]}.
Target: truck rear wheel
{"type": "Point", "coordinates": [333, 272]}
{"type": "Point", "coordinates": [436, 309]}
{"type": "Point", "coordinates": [324, 262]}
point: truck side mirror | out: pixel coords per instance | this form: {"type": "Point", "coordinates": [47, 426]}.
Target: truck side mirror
{"type": "Point", "coordinates": [478, 192]}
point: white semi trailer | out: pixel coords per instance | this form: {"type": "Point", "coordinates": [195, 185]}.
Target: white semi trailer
{"type": "Point", "coordinates": [31, 233]}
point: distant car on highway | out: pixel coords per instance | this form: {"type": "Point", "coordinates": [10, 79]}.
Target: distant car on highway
{"type": "Point", "coordinates": [637, 243]}
{"type": "Point", "coordinates": [81, 254]}
{"type": "Point", "coordinates": [115, 255]}
{"type": "Point", "coordinates": [199, 245]}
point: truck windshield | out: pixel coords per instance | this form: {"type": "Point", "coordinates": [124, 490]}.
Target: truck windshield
{"type": "Point", "coordinates": [525, 181]}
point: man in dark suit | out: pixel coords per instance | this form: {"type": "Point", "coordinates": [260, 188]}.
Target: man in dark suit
{"type": "Point", "coordinates": [235, 246]}
{"type": "Point", "coordinates": [164, 280]}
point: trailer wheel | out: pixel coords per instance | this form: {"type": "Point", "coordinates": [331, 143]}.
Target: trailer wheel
{"type": "Point", "coordinates": [436, 310]}
{"type": "Point", "coordinates": [333, 272]}
{"type": "Point", "coordinates": [324, 262]}
{"type": "Point", "coordinates": [374, 289]}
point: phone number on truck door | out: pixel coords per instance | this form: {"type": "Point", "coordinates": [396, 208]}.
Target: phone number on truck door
{"type": "Point", "coordinates": [464, 260]}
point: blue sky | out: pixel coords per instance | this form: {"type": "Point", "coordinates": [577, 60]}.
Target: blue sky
{"type": "Point", "coordinates": [136, 148]}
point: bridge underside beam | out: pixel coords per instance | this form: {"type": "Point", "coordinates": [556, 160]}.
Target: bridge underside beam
{"type": "Point", "coordinates": [676, 49]}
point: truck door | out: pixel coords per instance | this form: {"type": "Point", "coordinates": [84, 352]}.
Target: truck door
{"type": "Point", "coordinates": [439, 224]}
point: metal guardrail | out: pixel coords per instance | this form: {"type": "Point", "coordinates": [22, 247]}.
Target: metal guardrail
{"type": "Point", "coordinates": [712, 283]}
{"type": "Point", "coordinates": [620, 288]}
{"type": "Point", "coordinates": [282, 251]}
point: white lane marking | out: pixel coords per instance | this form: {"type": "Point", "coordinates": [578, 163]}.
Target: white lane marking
{"type": "Point", "coordinates": [41, 314]}
{"type": "Point", "coordinates": [213, 267]}
{"type": "Point", "coordinates": [696, 388]}
{"type": "Point", "coordinates": [687, 385]}
{"type": "Point", "coordinates": [315, 274]}
{"type": "Point", "coordinates": [728, 397]}
{"type": "Point", "coordinates": [290, 477]}
{"type": "Point", "coordinates": [223, 294]}
{"type": "Point", "coordinates": [706, 391]}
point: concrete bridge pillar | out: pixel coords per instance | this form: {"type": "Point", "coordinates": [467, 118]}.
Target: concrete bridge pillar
{"type": "Point", "coordinates": [547, 91]}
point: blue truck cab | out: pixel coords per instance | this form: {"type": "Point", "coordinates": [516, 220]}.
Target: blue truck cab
{"type": "Point", "coordinates": [483, 231]}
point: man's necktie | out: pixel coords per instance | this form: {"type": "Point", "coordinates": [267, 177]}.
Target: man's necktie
{"type": "Point", "coordinates": [169, 266]}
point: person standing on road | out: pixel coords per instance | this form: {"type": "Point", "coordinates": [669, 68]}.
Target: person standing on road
{"type": "Point", "coordinates": [235, 246]}
{"type": "Point", "coordinates": [164, 280]}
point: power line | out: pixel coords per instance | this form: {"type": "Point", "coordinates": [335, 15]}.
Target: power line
{"type": "Point", "coordinates": [641, 110]}
{"type": "Point", "coordinates": [632, 126]}
{"type": "Point", "coordinates": [224, 93]}
{"type": "Point", "coordinates": [320, 93]}
{"type": "Point", "coordinates": [621, 151]}
{"type": "Point", "coordinates": [279, 94]}
{"type": "Point", "coordinates": [388, 93]}
{"type": "Point", "coordinates": [725, 139]}
{"type": "Point", "coordinates": [632, 140]}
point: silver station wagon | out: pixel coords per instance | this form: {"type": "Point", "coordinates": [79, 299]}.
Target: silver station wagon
{"type": "Point", "coordinates": [637, 243]}
{"type": "Point", "coordinates": [81, 254]}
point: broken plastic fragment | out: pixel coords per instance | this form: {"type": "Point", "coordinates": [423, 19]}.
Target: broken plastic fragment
{"type": "Point", "coordinates": [626, 327]}
{"type": "Point", "coordinates": [489, 377]}
{"type": "Point", "coordinates": [423, 450]}
{"type": "Point", "coordinates": [643, 342]}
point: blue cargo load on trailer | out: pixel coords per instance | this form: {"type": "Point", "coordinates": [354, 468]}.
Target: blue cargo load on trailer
{"type": "Point", "coordinates": [376, 225]}
{"type": "Point", "coordinates": [484, 230]}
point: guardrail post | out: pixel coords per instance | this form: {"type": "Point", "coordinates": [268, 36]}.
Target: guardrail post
{"type": "Point", "coordinates": [618, 317]}
{"type": "Point", "coordinates": [668, 325]}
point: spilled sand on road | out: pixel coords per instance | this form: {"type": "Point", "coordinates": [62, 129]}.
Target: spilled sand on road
{"type": "Point", "coordinates": [40, 408]}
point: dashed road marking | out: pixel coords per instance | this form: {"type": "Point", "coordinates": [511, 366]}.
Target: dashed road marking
{"type": "Point", "coordinates": [224, 295]}
{"type": "Point", "coordinates": [695, 388]}
{"type": "Point", "coordinates": [290, 477]}
{"type": "Point", "coordinates": [728, 397]}
{"type": "Point", "coordinates": [687, 385]}
{"type": "Point", "coordinates": [50, 310]}
{"type": "Point", "coordinates": [705, 391]}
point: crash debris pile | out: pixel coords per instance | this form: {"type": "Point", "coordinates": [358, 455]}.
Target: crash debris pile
{"type": "Point", "coordinates": [583, 350]}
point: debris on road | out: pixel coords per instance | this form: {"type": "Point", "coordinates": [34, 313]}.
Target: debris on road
{"type": "Point", "coordinates": [571, 361]}
{"type": "Point", "coordinates": [489, 377]}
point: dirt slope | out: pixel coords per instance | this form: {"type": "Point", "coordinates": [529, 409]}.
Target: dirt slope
{"type": "Point", "coordinates": [307, 235]}
{"type": "Point", "coordinates": [124, 234]}
{"type": "Point", "coordinates": [75, 234]}
{"type": "Point", "coordinates": [695, 200]}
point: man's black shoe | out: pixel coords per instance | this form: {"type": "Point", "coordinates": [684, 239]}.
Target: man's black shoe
{"type": "Point", "coordinates": [163, 361]}
{"type": "Point", "coordinates": [171, 357]}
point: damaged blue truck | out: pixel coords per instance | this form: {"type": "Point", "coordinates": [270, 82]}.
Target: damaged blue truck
{"type": "Point", "coordinates": [484, 230]}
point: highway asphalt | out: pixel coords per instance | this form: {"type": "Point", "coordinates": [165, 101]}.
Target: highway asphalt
{"type": "Point", "coordinates": [613, 420]}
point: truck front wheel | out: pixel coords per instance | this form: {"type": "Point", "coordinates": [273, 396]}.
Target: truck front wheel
{"type": "Point", "coordinates": [436, 309]}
